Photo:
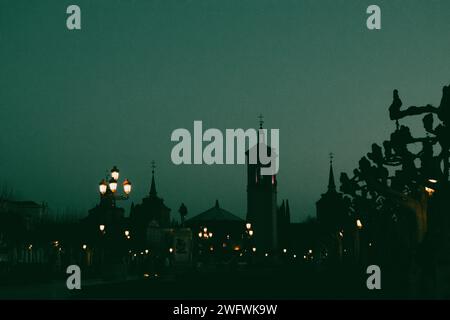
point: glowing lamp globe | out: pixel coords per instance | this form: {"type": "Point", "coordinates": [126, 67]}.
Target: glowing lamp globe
{"type": "Point", "coordinates": [102, 187]}
{"type": "Point", "coordinates": [113, 185]}
{"type": "Point", "coordinates": [359, 224]}
{"type": "Point", "coordinates": [115, 173]}
{"type": "Point", "coordinates": [127, 186]}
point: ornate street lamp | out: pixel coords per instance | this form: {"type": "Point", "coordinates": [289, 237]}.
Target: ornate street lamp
{"type": "Point", "coordinates": [127, 186]}
{"type": "Point", "coordinates": [113, 185]}
{"type": "Point", "coordinates": [115, 173]}
{"type": "Point", "coordinates": [103, 187]}
{"type": "Point", "coordinates": [108, 187]}
{"type": "Point", "coordinates": [205, 234]}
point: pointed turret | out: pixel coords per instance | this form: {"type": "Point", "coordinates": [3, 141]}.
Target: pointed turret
{"type": "Point", "coordinates": [153, 185]}
{"type": "Point", "coordinates": [282, 209]}
{"type": "Point", "coordinates": [331, 182]}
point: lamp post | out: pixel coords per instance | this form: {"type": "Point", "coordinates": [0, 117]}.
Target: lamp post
{"type": "Point", "coordinates": [359, 227]}
{"type": "Point", "coordinates": [248, 233]}
{"type": "Point", "coordinates": [204, 235]}
{"type": "Point", "coordinates": [108, 188]}
{"type": "Point", "coordinates": [107, 215]}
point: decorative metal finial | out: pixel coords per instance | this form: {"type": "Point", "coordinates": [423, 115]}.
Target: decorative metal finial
{"type": "Point", "coordinates": [331, 157]}
{"type": "Point", "coordinates": [261, 120]}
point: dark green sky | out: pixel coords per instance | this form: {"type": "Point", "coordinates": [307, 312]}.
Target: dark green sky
{"type": "Point", "coordinates": [73, 103]}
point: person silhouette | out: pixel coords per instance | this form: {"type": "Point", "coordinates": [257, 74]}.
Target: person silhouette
{"type": "Point", "coordinates": [394, 108]}
{"type": "Point", "coordinates": [395, 113]}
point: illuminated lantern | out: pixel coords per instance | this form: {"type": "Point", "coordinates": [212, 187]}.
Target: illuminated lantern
{"type": "Point", "coordinates": [113, 185]}
{"type": "Point", "coordinates": [102, 187]}
{"type": "Point", "coordinates": [359, 224]}
{"type": "Point", "coordinates": [115, 173]}
{"type": "Point", "coordinates": [127, 186]}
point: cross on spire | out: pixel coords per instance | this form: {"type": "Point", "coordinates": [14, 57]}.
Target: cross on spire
{"type": "Point", "coordinates": [261, 120]}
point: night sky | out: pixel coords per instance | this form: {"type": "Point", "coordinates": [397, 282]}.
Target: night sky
{"type": "Point", "coordinates": [75, 103]}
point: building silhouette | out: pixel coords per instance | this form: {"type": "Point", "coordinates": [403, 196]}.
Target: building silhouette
{"type": "Point", "coordinates": [332, 217]}
{"type": "Point", "coordinates": [262, 207]}
{"type": "Point", "coordinates": [222, 229]}
{"type": "Point", "coordinates": [284, 225]}
{"type": "Point", "coordinates": [150, 213]}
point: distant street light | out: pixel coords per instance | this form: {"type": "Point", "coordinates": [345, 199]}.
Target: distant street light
{"type": "Point", "coordinates": [430, 191]}
{"type": "Point", "coordinates": [205, 234]}
{"type": "Point", "coordinates": [359, 224]}
{"type": "Point", "coordinates": [102, 227]}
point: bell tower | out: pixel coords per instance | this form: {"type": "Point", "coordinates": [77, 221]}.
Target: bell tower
{"type": "Point", "coordinates": [262, 200]}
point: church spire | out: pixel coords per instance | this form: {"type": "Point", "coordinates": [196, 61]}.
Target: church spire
{"type": "Point", "coordinates": [331, 183]}
{"type": "Point", "coordinates": [261, 121]}
{"type": "Point", "coordinates": [153, 186]}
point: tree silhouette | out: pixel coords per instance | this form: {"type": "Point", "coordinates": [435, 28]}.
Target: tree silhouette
{"type": "Point", "coordinates": [392, 182]}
